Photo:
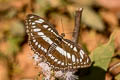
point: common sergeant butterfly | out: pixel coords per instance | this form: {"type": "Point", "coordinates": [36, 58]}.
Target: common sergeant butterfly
{"type": "Point", "coordinates": [60, 53]}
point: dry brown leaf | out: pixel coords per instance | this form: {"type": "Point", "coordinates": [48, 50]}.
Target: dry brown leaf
{"type": "Point", "coordinates": [26, 64]}
{"type": "Point", "coordinates": [108, 76]}
{"type": "Point", "coordinates": [3, 71]}
{"type": "Point", "coordinates": [4, 47]}
{"type": "Point", "coordinates": [110, 18]}
{"type": "Point", "coordinates": [54, 3]}
{"type": "Point", "coordinates": [92, 39]}
{"type": "Point", "coordinates": [18, 4]}
{"type": "Point", "coordinates": [116, 34]}
{"type": "Point", "coordinates": [113, 5]}
{"type": "Point", "coordinates": [114, 67]}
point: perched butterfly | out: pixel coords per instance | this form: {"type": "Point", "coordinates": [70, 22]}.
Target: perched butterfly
{"type": "Point", "coordinates": [61, 54]}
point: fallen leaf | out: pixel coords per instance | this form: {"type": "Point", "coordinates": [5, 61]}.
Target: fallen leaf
{"type": "Point", "coordinates": [103, 54]}
{"type": "Point", "coordinates": [92, 19]}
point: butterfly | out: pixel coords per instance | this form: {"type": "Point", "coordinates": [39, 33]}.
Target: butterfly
{"type": "Point", "coordinates": [60, 53]}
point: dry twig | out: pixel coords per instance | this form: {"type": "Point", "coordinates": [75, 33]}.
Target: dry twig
{"type": "Point", "coordinates": [76, 31]}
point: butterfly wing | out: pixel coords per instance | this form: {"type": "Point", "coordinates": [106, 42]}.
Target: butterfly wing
{"type": "Point", "coordinates": [78, 56]}
{"type": "Point", "coordinates": [59, 52]}
{"type": "Point", "coordinates": [43, 39]}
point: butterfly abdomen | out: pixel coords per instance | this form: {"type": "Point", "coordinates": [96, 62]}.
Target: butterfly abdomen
{"type": "Point", "coordinates": [59, 52]}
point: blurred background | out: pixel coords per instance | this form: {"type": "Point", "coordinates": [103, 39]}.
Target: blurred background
{"type": "Point", "coordinates": [100, 20]}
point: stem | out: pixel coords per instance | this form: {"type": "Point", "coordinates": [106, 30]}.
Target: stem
{"type": "Point", "coordinates": [76, 31]}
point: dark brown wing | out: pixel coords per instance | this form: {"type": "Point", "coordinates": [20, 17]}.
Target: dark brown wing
{"type": "Point", "coordinates": [60, 53]}
{"type": "Point", "coordinates": [81, 60]}
{"type": "Point", "coordinates": [43, 39]}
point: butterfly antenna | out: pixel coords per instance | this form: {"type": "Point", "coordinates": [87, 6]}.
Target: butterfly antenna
{"type": "Point", "coordinates": [62, 34]}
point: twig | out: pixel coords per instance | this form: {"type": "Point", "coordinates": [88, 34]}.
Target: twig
{"type": "Point", "coordinates": [78, 15]}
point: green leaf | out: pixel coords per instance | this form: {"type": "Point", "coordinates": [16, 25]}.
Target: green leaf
{"type": "Point", "coordinates": [92, 19]}
{"type": "Point", "coordinates": [84, 2]}
{"type": "Point", "coordinates": [42, 7]}
{"type": "Point", "coordinates": [103, 54]}
{"type": "Point", "coordinates": [17, 28]}
{"type": "Point", "coordinates": [14, 45]}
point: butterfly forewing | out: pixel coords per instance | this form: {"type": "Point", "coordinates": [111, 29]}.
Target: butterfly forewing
{"type": "Point", "coordinates": [41, 36]}
{"type": "Point", "coordinates": [59, 52]}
